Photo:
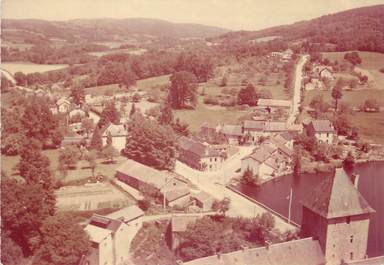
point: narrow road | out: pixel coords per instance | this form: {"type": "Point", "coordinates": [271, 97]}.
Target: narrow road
{"type": "Point", "coordinates": [297, 90]}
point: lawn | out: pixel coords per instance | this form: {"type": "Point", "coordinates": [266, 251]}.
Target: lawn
{"type": "Point", "coordinates": [82, 171]}
{"type": "Point", "coordinates": [371, 61]}
{"type": "Point", "coordinates": [213, 116]}
{"type": "Point", "coordinates": [355, 98]}
{"type": "Point", "coordinates": [147, 83]}
{"type": "Point", "coordinates": [103, 90]}
{"type": "Point", "coordinates": [370, 126]}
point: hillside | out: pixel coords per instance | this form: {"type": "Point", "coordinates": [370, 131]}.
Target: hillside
{"type": "Point", "coordinates": [104, 29]}
{"type": "Point", "coordinates": [355, 29]}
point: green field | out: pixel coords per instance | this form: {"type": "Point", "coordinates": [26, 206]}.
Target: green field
{"type": "Point", "coordinates": [82, 171]}
{"type": "Point", "coordinates": [103, 90]}
{"type": "Point", "coordinates": [371, 61]}
{"type": "Point", "coordinates": [370, 126]}
{"type": "Point", "coordinates": [147, 83]}
{"type": "Point", "coordinates": [355, 98]}
{"type": "Point", "coordinates": [28, 68]}
{"type": "Point", "coordinates": [203, 113]}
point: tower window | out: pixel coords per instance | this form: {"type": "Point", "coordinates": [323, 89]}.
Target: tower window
{"type": "Point", "coordinates": [351, 240]}
{"type": "Point", "coordinates": [351, 255]}
{"type": "Point", "coordinates": [348, 219]}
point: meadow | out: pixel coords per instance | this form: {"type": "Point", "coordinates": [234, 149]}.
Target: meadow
{"type": "Point", "coordinates": [28, 68]}
{"type": "Point", "coordinates": [371, 61]}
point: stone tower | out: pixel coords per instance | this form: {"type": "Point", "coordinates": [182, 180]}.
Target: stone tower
{"type": "Point", "coordinates": [338, 216]}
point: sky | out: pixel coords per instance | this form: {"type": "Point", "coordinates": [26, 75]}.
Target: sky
{"type": "Point", "coordinates": [229, 14]}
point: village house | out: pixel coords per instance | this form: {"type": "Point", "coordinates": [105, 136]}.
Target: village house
{"type": "Point", "coordinates": [198, 155]}
{"type": "Point", "coordinates": [139, 176]}
{"type": "Point", "coordinates": [322, 130]}
{"type": "Point", "coordinates": [63, 105]}
{"type": "Point", "coordinates": [77, 112]}
{"type": "Point", "coordinates": [323, 72]}
{"type": "Point", "coordinates": [232, 133]}
{"type": "Point", "coordinates": [273, 157]}
{"type": "Point", "coordinates": [335, 225]}
{"type": "Point", "coordinates": [111, 236]}
{"type": "Point", "coordinates": [314, 83]}
{"type": "Point", "coordinates": [254, 131]}
{"type": "Point", "coordinates": [132, 216]}
{"type": "Point", "coordinates": [119, 134]}
{"type": "Point", "coordinates": [203, 200]}
{"type": "Point", "coordinates": [177, 225]}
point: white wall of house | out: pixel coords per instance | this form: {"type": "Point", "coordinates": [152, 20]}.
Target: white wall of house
{"type": "Point", "coordinates": [122, 241]}
{"type": "Point", "coordinates": [106, 251]}
{"type": "Point", "coordinates": [324, 137]}
{"type": "Point", "coordinates": [213, 163]}
{"type": "Point", "coordinates": [63, 108]}
{"type": "Point", "coordinates": [265, 170]}
{"type": "Point", "coordinates": [117, 141]}
{"type": "Point", "coordinates": [251, 164]}
{"type": "Point", "coordinates": [182, 201]}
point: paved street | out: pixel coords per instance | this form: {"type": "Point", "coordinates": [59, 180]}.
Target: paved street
{"type": "Point", "coordinates": [297, 90]}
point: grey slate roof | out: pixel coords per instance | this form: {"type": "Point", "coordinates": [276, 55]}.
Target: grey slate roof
{"type": "Point", "coordinates": [322, 126]}
{"type": "Point", "coordinates": [336, 197]}
{"type": "Point", "coordinates": [197, 148]}
{"type": "Point", "coordinates": [298, 252]}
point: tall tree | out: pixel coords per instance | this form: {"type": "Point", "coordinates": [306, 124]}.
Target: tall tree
{"type": "Point", "coordinates": [96, 141]}
{"type": "Point", "coordinates": [109, 114]}
{"type": "Point", "coordinates": [150, 143]}
{"type": "Point", "coordinates": [37, 120]}
{"type": "Point", "coordinates": [23, 208]}
{"type": "Point", "coordinates": [133, 110]}
{"type": "Point", "coordinates": [78, 95]}
{"type": "Point", "coordinates": [166, 115]}
{"type": "Point", "coordinates": [337, 92]}
{"type": "Point", "coordinates": [63, 242]}
{"type": "Point", "coordinates": [248, 95]}
{"type": "Point", "coordinates": [91, 157]}
{"type": "Point", "coordinates": [182, 92]}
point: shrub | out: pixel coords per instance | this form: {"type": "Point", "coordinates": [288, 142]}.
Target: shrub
{"type": "Point", "coordinates": [144, 204]}
{"type": "Point", "coordinates": [211, 101]}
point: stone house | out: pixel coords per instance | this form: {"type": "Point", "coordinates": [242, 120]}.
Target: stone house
{"type": "Point", "coordinates": [232, 133]}
{"type": "Point", "coordinates": [322, 130]}
{"type": "Point", "coordinates": [198, 155]}
{"type": "Point", "coordinates": [203, 200]}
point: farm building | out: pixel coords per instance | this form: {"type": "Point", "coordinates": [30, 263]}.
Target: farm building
{"type": "Point", "coordinates": [139, 176]}
{"type": "Point", "coordinates": [322, 130]}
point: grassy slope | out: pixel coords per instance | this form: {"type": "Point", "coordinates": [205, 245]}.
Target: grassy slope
{"type": "Point", "coordinates": [371, 61]}
{"type": "Point", "coordinates": [354, 98]}
{"type": "Point", "coordinates": [370, 125]}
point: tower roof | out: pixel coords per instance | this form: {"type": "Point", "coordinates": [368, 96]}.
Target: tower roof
{"type": "Point", "coordinates": [336, 197]}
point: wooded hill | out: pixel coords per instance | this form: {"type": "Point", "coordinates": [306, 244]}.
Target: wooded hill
{"type": "Point", "coordinates": [355, 29]}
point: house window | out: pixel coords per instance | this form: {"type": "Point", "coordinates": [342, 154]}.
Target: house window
{"type": "Point", "coordinates": [215, 159]}
{"type": "Point", "coordinates": [348, 219]}
{"type": "Point", "coordinates": [351, 240]}
{"type": "Point", "coordinates": [351, 256]}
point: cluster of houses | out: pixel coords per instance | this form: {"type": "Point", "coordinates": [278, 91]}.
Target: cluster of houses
{"type": "Point", "coordinates": [284, 56]}
{"type": "Point", "coordinates": [271, 158]}
{"type": "Point", "coordinates": [316, 77]}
